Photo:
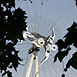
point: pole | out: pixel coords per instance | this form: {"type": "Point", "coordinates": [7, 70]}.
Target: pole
{"type": "Point", "coordinates": [34, 55]}
{"type": "Point", "coordinates": [30, 66]}
{"type": "Point", "coordinates": [36, 66]}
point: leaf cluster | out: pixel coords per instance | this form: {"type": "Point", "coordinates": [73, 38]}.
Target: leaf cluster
{"type": "Point", "coordinates": [12, 24]}
{"type": "Point", "coordinates": [64, 47]}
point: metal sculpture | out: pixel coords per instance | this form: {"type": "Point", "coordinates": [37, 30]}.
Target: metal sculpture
{"type": "Point", "coordinates": [41, 41]}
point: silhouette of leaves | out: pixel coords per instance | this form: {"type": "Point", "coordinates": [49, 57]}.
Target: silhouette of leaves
{"type": "Point", "coordinates": [12, 24]}
{"type": "Point", "coordinates": [8, 3]}
{"type": "Point", "coordinates": [9, 74]}
{"type": "Point", "coordinates": [64, 47]}
{"type": "Point", "coordinates": [63, 75]}
{"type": "Point", "coordinates": [62, 54]}
{"type": "Point", "coordinates": [70, 37]}
{"type": "Point", "coordinates": [72, 62]}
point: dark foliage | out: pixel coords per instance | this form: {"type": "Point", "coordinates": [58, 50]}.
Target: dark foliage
{"type": "Point", "coordinates": [62, 54]}
{"type": "Point", "coordinates": [70, 37]}
{"type": "Point", "coordinates": [64, 47]}
{"type": "Point", "coordinates": [63, 75]}
{"type": "Point", "coordinates": [72, 62]}
{"type": "Point", "coordinates": [11, 3]}
{"type": "Point", "coordinates": [76, 2]}
{"type": "Point", "coordinates": [12, 24]}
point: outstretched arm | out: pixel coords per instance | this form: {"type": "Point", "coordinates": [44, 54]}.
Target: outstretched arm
{"type": "Point", "coordinates": [52, 37]}
{"type": "Point", "coordinates": [48, 49]}
{"type": "Point", "coordinates": [53, 33]}
{"type": "Point", "coordinates": [47, 53]}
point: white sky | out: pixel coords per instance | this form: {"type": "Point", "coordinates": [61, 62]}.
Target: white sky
{"type": "Point", "coordinates": [60, 14]}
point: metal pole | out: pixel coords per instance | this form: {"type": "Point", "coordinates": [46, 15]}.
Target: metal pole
{"type": "Point", "coordinates": [30, 66]}
{"type": "Point", "coordinates": [36, 66]}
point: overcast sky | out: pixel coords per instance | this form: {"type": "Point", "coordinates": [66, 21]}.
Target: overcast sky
{"type": "Point", "coordinates": [60, 14]}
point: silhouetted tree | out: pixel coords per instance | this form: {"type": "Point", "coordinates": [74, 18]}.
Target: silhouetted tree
{"type": "Point", "coordinates": [12, 24]}
{"type": "Point", "coordinates": [64, 47]}
{"type": "Point", "coordinates": [76, 2]}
